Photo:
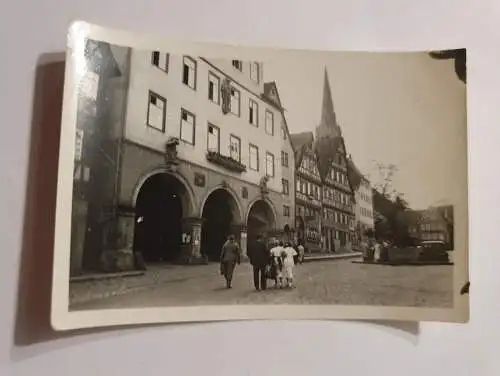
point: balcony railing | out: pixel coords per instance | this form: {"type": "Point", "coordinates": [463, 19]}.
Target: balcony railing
{"type": "Point", "coordinates": [225, 161]}
{"type": "Point", "coordinates": [349, 208]}
{"type": "Point", "coordinates": [329, 222]}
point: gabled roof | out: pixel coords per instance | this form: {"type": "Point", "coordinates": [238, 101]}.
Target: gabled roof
{"type": "Point", "coordinates": [354, 174]}
{"type": "Point", "coordinates": [326, 148]}
{"type": "Point", "coordinates": [271, 93]}
{"type": "Point", "coordinates": [300, 143]}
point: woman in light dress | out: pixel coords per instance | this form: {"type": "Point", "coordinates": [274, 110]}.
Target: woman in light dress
{"type": "Point", "coordinates": [277, 263]}
{"type": "Point", "coordinates": [288, 255]}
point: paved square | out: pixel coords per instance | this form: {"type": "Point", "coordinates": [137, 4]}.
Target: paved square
{"type": "Point", "coordinates": [323, 282]}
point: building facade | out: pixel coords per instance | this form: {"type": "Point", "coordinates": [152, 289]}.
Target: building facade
{"type": "Point", "coordinates": [434, 224]}
{"type": "Point", "coordinates": [308, 192]}
{"type": "Point", "coordinates": [363, 207]}
{"type": "Point", "coordinates": [338, 207]}
{"type": "Point", "coordinates": [204, 152]}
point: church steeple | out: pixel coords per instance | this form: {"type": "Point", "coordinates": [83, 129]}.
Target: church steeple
{"type": "Point", "coordinates": [328, 125]}
{"type": "Point", "coordinates": [328, 133]}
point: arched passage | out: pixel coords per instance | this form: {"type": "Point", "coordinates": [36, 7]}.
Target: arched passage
{"type": "Point", "coordinates": [260, 219]}
{"type": "Point", "coordinates": [220, 212]}
{"type": "Point", "coordinates": [160, 205]}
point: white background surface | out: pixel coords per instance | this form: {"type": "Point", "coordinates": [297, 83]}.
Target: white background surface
{"type": "Point", "coordinates": [30, 29]}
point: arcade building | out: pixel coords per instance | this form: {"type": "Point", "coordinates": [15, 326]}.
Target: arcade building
{"type": "Point", "coordinates": [192, 150]}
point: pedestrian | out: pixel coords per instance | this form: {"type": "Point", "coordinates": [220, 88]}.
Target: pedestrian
{"type": "Point", "coordinates": [259, 258]}
{"type": "Point", "coordinates": [288, 255]}
{"type": "Point", "coordinates": [277, 264]}
{"type": "Point", "coordinates": [301, 251]}
{"type": "Point", "coordinates": [230, 256]}
{"type": "Point", "coordinates": [377, 250]}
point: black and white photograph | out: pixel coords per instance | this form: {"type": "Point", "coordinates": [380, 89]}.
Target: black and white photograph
{"type": "Point", "coordinates": [206, 182]}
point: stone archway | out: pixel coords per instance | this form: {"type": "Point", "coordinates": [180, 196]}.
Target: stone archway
{"type": "Point", "coordinates": [161, 202]}
{"type": "Point", "coordinates": [221, 214]}
{"type": "Point", "coordinates": [300, 228]}
{"type": "Point", "coordinates": [261, 219]}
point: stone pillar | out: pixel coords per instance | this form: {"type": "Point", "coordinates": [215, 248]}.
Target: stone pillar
{"type": "Point", "coordinates": [191, 241]}
{"type": "Point", "coordinates": [240, 232]}
{"type": "Point", "coordinates": [118, 254]}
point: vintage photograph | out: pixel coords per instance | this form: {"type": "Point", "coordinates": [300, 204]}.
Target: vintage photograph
{"type": "Point", "coordinates": [289, 178]}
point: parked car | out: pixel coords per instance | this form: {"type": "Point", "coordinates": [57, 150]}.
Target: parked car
{"type": "Point", "coordinates": [433, 251]}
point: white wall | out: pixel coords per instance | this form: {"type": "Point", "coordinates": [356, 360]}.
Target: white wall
{"type": "Point", "coordinates": [145, 77]}
{"type": "Point", "coordinates": [364, 204]}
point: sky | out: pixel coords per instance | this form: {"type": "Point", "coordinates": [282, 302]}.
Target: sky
{"type": "Point", "coordinates": [405, 109]}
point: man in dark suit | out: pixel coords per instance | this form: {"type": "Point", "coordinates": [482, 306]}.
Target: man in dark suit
{"type": "Point", "coordinates": [259, 257]}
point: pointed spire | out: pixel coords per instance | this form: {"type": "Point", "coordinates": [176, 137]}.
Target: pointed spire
{"type": "Point", "coordinates": [328, 133]}
{"type": "Point", "coordinates": [328, 117]}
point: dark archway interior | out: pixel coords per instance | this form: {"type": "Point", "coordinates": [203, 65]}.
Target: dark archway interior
{"type": "Point", "coordinates": [217, 220]}
{"type": "Point", "coordinates": [260, 220]}
{"type": "Point", "coordinates": [158, 219]}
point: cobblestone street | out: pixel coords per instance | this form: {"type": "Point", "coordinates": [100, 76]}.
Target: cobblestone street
{"type": "Point", "coordinates": [324, 282]}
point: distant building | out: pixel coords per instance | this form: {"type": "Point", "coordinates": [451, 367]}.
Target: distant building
{"type": "Point", "coordinates": [363, 204]}
{"type": "Point", "coordinates": [308, 187]}
{"type": "Point", "coordinates": [434, 224]}
{"type": "Point", "coordinates": [194, 149]}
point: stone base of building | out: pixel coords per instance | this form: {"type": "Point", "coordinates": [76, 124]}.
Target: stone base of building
{"type": "Point", "coordinates": [118, 261]}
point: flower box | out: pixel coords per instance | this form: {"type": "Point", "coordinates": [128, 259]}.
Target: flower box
{"type": "Point", "coordinates": [225, 161]}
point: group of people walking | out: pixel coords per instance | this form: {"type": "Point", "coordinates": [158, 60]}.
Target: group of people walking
{"type": "Point", "coordinates": [273, 260]}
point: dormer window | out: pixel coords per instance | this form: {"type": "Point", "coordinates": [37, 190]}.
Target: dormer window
{"type": "Point", "coordinates": [238, 64]}
{"type": "Point", "coordinates": [254, 71]}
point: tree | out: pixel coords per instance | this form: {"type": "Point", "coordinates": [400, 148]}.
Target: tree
{"type": "Point", "coordinates": [390, 204]}
{"type": "Point", "coordinates": [383, 182]}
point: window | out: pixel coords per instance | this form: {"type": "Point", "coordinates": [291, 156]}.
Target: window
{"type": "Point", "coordinates": [298, 186]}
{"type": "Point", "coordinates": [237, 64]}
{"type": "Point", "coordinates": [235, 148]}
{"type": "Point", "coordinates": [269, 164]}
{"type": "Point", "coordinates": [254, 157]}
{"type": "Point", "coordinates": [157, 110]}
{"type": "Point", "coordinates": [284, 159]}
{"type": "Point", "coordinates": [235, 101]}
{"type": "Point", "coordinates": [285, 187]}
{"type": "Point", "coordinates": [213, 88]}
{"type": "Point", "coordinates": [253, 115]}
{"type": "Point", "coordinates": [269, 122]}
{"type": "Point", "coordinates": [286, 211]}
{"type": "Point", "coordinates": [213, 138]}
{"type": "Point", "coordinates": [187, 126]}
{"type": "Point", "coordinates": [160, 60]}
{"type": "Point", "coordinates": [254, 71]}
{"type": "Point", "coordinates": [189, 72]}
{"type": "Point", "coordinates": [283, 131]}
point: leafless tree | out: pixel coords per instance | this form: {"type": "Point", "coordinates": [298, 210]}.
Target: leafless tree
{"type": "Point", "coordinates": [383, 182]}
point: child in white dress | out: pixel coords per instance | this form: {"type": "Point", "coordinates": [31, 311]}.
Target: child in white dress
{"type": "Point", "coordinates": [288, 263]}
{"type": "Point", "coordinates": [276, 252]}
